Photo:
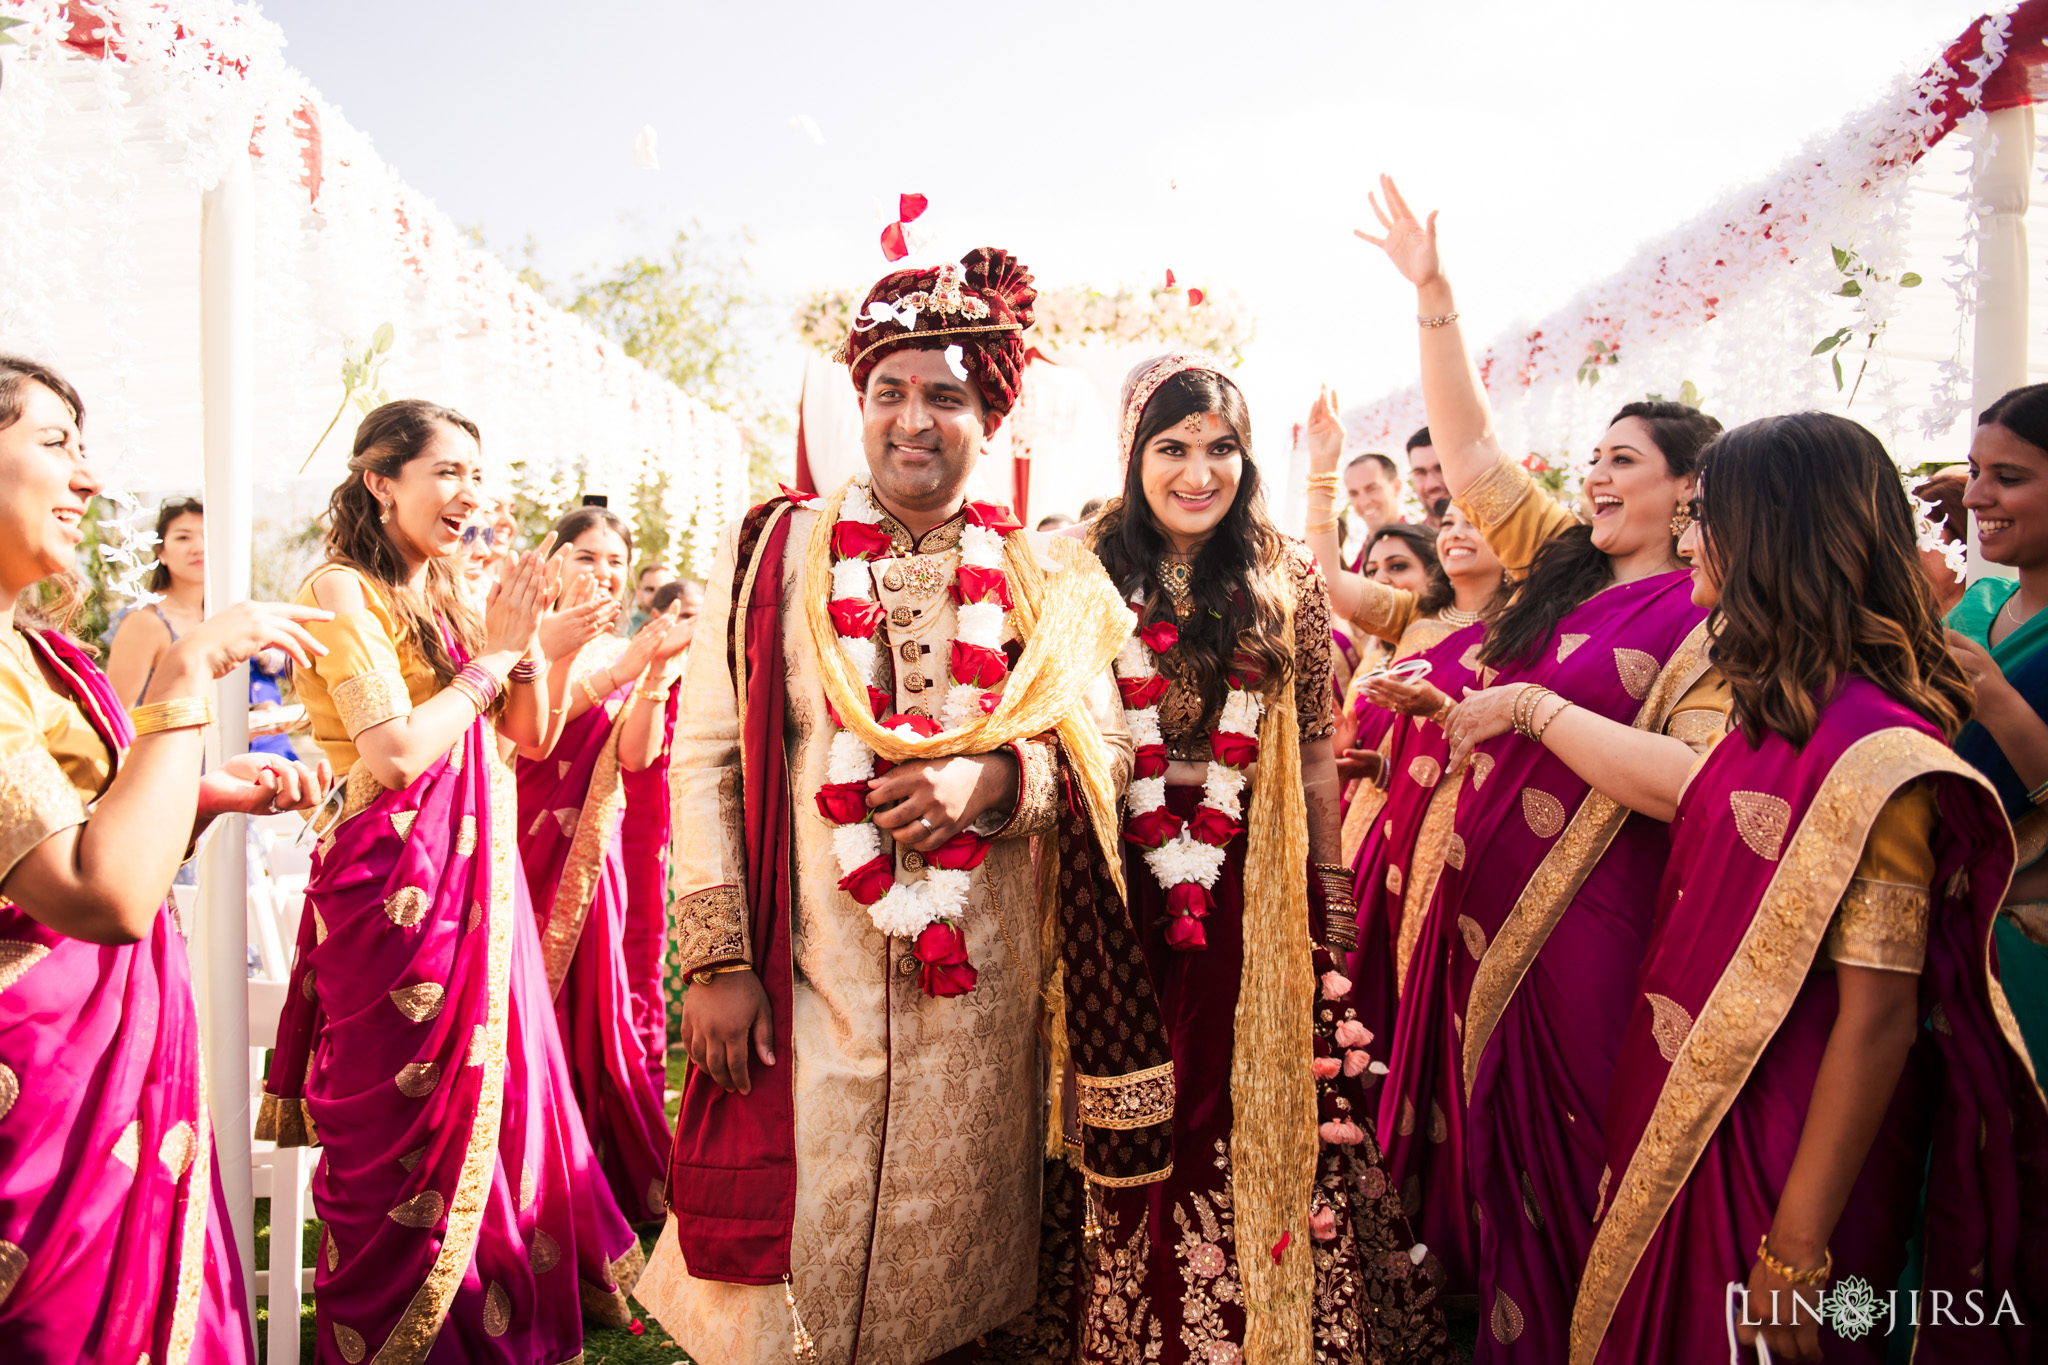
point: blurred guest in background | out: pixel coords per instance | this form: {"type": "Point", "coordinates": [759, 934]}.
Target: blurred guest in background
{"type": "Point", "coordinates": [1426, 475]}
{"type": "Point", "coordinates": [652, 578]}
{"type": "Point", "coordinates": [179, 580]}
{"type": "Point", "coordinates": [1053, 521]}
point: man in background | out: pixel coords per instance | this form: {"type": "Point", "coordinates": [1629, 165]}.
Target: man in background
{"type": "Point", "coordinates": [1426, 477]}
{"type": "Point", "coordinates": [1372, 486]}
{"type": "Point", "coordinates": [653, 577]}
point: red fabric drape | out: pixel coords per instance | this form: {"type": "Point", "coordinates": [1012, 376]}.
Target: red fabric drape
{"type": "Point", "coordinates": [1020, 487]}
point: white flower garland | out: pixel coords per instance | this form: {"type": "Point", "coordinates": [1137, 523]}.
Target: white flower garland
{"type": "Point", "coordinates": [1184, 859]}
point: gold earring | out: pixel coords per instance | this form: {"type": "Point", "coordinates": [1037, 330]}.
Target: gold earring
{"type": "Point", "coordinates": [1681, 521]}
{"type": "Point", "coordinates": [386, 518]}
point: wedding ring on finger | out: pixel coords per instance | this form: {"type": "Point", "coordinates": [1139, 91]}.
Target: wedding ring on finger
{"type": "Point", "coordinates": [926, 822]}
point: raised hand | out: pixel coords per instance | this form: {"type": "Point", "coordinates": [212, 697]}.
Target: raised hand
{"type": "Point", "coordinates": [1325, 433]}
{"type": "Point", "coordinates": [673, 639]}
{"type": "Point", "coordinates": [644, 649]}
{"type": "Point", "coordinates": [1410, 244]}
{"type": "Point", "coordinates": [513, 611]}
{"type": "Point", "coordinates": [225, 639]}
{"type": "Point", "coordinates": [579, 617]}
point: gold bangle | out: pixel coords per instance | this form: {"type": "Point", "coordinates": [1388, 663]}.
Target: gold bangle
{"type": "Point", "coordinates": [1786, 1273]}
{"type": "Point", "coordinates": [1551, 719]}
{"type": "Point", "coordinates": [703, 978]}
{"type": "Point", "coordinates": [1443, 321]}
{"type": "Point", "coordinates": [1331, 483]}
{"type": "Point", "coordinates": [180, 713]}
{"type": "Point", "coordinates": [658, 695]}
{"type": "Point", "coordinates": [1318, 527]}
{"type": "Point", "coordinates": [470, 690]}
{"type": "Point", "coordinates": [2039, 795]}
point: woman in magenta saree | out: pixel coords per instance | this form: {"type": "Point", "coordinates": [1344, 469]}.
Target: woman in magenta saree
{"type": "Point", "coordinates": [1498, 1079]}
{"type": "Point", "coordinates": [464, 1217]}
{"type": "Point", "coordinates": [115, 1244]}
{"type": "Point", "coordinates": [611, 698]}
{"type": "Point", "coordinates": [1817, 1027]}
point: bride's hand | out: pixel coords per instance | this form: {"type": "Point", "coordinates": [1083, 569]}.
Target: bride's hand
{"type": "Point", "coordinates": [1325, 434]}
{"type": "Point", "coordinates": [1410, 244]}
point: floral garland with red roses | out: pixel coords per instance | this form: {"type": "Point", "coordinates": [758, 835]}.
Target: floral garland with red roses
{"type": "Point", "coordinates": [928, 911]}
{"type": "Point", "coordinates": [1188, 858]}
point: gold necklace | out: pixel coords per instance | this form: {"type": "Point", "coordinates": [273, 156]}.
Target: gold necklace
{"type": "Point", "coordinates": [1451, 616]}
{"type": "Point", "coordinates": [2006, 610]}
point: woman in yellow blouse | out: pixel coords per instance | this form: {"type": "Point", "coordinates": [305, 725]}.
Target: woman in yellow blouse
{"type": "Point", "coordinates": [463, 1209]}
{"type": "Point", "coordinates": [113, 1237]}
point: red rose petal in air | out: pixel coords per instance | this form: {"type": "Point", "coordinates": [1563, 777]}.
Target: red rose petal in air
{"type": "Point", "coordinates": [892, 243]}
{"type": "Point", "coordinates": [637, 1327]}
{"type": "Point", "coordinates": [1169, 277]}
{"type": "Point", "coordinates": [910, 207]}
{"type": "Point", "coordinates": [1195, 297]}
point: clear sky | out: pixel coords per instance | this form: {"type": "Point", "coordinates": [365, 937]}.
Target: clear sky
{"type": "Point", "coordinates": [1105, 141]}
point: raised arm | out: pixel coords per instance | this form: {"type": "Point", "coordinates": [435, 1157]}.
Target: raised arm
{"type": "Point", "coordinates": [1460, 418]}
{"type": "Point", "coordinates": [1325, 449]}
{"type": "Point", "coordinates": [139, 642]}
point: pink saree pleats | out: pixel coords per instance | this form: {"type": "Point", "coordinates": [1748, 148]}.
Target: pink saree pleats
{"type": "Point", "coordinates": [602, 957]}
{"type": "Point", "coordinates": [462, 1217]}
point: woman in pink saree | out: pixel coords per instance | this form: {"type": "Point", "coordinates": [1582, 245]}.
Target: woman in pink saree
{"type": "Point", "coordinates": [1817, 1028]}
{"type": "Point", "coordinates": [608, 707]}
{"type": "Point", "coordinates": [114, 1238]}
{"type": "Point", "coordinates": [1491, 1111]}
{"type": "Point", "coordinates": [464, 1215]}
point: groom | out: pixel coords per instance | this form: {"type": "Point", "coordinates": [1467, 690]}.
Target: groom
{"type": "Point", "coordinates": [894, 690]}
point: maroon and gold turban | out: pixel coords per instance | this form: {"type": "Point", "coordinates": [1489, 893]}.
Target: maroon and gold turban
{"type": "Point", "coordinates": [982, 305]}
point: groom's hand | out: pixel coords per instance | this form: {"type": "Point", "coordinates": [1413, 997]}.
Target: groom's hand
{"type": "Point", "coordinates": [720, 1018]}
{"type": "Point", "coordinates": [926, 801]}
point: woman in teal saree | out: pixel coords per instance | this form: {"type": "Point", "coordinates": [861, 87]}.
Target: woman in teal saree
{"type": "Point", "coordinates": [1999, 634]}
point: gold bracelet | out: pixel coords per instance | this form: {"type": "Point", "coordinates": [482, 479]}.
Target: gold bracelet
{"type": "Point", "coordinates": [1318, 527]}
{"type": "Point", "coordinates": [180, 713]}
{"type": "Point", "coordinates": [590, 692]}
{"type": "Point", "coordinates": [2039, 795]}
{"type": "Point", "coordinates": [1786, 1273]}
{"type": "Point", "coordinates": [1444, 321]}
{"type": "Point", "coordinates": [660, 694]}
{"type": "Point", "coordinates": [1331, 483]}
{"type": "Point", "coordinates": [1551, 719]}
{"type": "Point", "coordinates": [703, 978]}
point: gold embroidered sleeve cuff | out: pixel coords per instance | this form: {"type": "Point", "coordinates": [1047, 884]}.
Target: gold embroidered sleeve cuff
{"type": "Point", "coordinates": [1697, 728]}
{"type": "Point", "coordinates": [1035, 811]}
{"type": "Point", "coordinates": [371, 699]}
{"type": "Point", "coordinates": [1495, 494]}
{"type": "Point", "coordinates": [1881, 925]}
{"type": "Point", "coordinates": [36, 801]}
{"type": "Point", "coordinates": [710, 928]}
{"type": "Point", "coordinates": [1137, 1100]}
{"type": "Point", "coordinates": [286, 1121]}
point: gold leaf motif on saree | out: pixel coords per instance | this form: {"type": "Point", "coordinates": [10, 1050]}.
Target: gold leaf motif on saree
{"type": "Point", "coordinates": [1439, 1128]}
{"type": "Point", "coordinates": [567, 818]}
{"type": "Point", "coordinates": [526, 1185]}
{"type": "Point", "coordinates": [1475, 937]}
{"type": "Point", "coordinates": [416, 1080]}
{"type": "Point", "coordinates": [306, 984]}
{"type": "Point", "coordinates": [465, 836]}
{"type": "Point", "coordinates": [545, 1253]}
{"type": "Point", "coordinates": [1469, 660]}
{"type": "Point", "coordinates": [1543, 812]}
{"type": "Point", "coordinates": [423, 1210]}
{"type": "Point", "coordinates": [1567, 645]}
{"type": "Point", "coordinates": [497, 1310]}
{"type": "Point", "coordinates": [562, 767]}
{"type": "Point", "coordinates": [1530, 1209]}
{"type": "Point", "coordinates": [1424, 771]}
{"type": "Point", "coordinates": [179, 1146]}
{"type": "Point", "coordinates": [406, 907]}
{"type": "Point", "coordinates": [1506, 1318]}
{"type": "Point", "coordinates": [1762, 820]}
{"type": "Point", "coordinates": [1638, 671]}
{"type": "Point", "coordinates": [1393, 880]}
{"type": "Point", "coordinates": [1404, 1123]}
{"type": "Point", "coordinates": [401, 821]}
{"type": "Point", "coordinates": [333, 1249]}
{"type": "Point", "coordinates": [1487, 675]}
{"type": "Point", "coordinates": [476, 916]}
{"type": "Point", "coordinates": [1454, 852]}
{"type": "Point", "coordinates": [128, 1146]}
{"type": "Point", "coordinates": [1482, 768]}
{"type": "Point", "coordinates": [657, 1197]}
{"type": "Point", "coordinates": [412, 1158]}
{"type": "Point", "coordinates": [10, 1088]}
{"type": "Point", "coordinates": [13, 1261]}
{"type": "Point", "coordinates": [421, 1001]}
{"type": "Point", "coordinates": [17, 958]}
{"type": "Point", "coordinates": [351, 1343]}
{"type": "Point", "coordinates": [1669, 1024]}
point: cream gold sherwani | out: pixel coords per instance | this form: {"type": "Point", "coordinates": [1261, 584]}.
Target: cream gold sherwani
{"type": "Point", "coordinates": [919, 1121]}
